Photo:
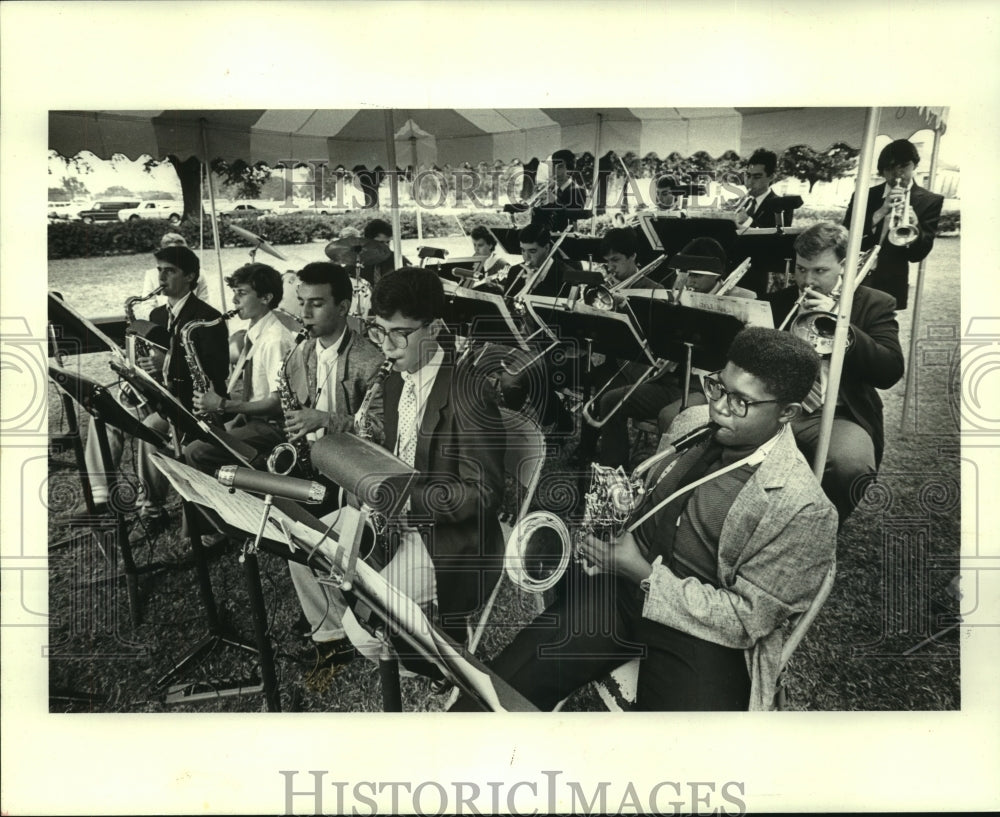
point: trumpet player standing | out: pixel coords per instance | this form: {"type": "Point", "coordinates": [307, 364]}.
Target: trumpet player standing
{"type": "Point", "coordinates": [901, 216]}
{"type": "Point", "coordinates": [734, 537]}
{"type": "Point", "coordinates": [874, 360]}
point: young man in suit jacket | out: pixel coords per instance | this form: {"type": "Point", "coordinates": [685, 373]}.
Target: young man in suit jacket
{"type": "Point", "coordinates": [874, 360]}
{"type": "Point", "coordinates": [733, 538]}
{"type": "Point", "coordinates": [896, 164]}
{"type": "Point", "coordinates": [329, 374]}
{"type": "Point", "coordinates": [442, 419]}
{"type": "Point", "coordinates": [179, 272]}
{"type": "Point", "coordinates": [759, 204]}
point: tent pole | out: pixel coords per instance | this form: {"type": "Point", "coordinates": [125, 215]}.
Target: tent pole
{"type": "Point", "coordinates": [390, 147]}
{"type": "Point", "coordinates": [917, 302]}
{"type": "Point", "coordinates": [846, 299]}
{"type": "Point", "coordinates": [413, 187]}
{"type": "Point", "coordinates": [215, 222]}
{"type": "Point", "coordinates": [597, 154]}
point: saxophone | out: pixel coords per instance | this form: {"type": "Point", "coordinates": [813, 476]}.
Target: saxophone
{"type": "Point", "coordinates": [140, 346]}
{"type": "Point", "coordinates": [366, 431]}
{"type": "Point", "coordinates": [198, 378]}
{"type": "Point", "coordinates": [284, 457]}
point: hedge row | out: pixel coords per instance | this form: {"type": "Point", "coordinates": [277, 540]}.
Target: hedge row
{"type": "Point", "coordinates": [73, 239]}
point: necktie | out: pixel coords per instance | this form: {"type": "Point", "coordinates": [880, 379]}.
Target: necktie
{"type": "Point", "coordinates": [751, 207]}
{"type": "Point", "coordinates": [247, 372]}
{"type": "Point", "coordinates": [170, 346]}
{"type": "Point", "coordinates": [408, 421]}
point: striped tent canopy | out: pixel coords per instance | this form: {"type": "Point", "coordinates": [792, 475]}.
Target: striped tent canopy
{"type": "Point", "coordinates": [453, 136]}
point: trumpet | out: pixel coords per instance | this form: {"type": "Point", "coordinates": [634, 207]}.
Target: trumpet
{"type": "Point", "coordinates": [901, 232]}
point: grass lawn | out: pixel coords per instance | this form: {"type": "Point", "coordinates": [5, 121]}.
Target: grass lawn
{"type": "Point", "coordinates": [897, 556]}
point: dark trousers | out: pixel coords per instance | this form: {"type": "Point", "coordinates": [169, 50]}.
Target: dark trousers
{"type": "Point", "coordinates": [595, 626]}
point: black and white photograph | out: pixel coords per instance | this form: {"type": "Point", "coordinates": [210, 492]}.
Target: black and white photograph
{"type": "Point", "coordinates": [386, 365]}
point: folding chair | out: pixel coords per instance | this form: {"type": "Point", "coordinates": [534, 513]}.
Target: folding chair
{"type": "Point", "coordinates": [619, 688]}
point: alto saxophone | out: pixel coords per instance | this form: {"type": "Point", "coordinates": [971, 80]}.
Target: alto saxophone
{"type": "Point", "coordinates": [198, 377]}
{"type": "Point", "coordinates": [366, 431]}
{"type": "Point", "coordinates": [140, 346]}
{"type": "Point", "coordinates": [293, 453]}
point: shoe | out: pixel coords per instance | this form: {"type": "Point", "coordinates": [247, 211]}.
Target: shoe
{"type": "Point", "coordinates": [441, 686]}
{"type": "Point", "coordinates": [150, 524]}
{"type": "Point", "coordinates": [302, 628]}
{"type": "Point", "coordinates": [323, 654]}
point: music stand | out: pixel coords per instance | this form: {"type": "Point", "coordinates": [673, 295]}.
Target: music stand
{"type": "Point", "coordinates": [770, 251]}
{"type": "Point", "coordinates": [480, 316]}
{"type": "Point", "coordinates": [508, 239]}
{"type": "Point", "coordinates": [106, 410]}
{"type": "Point", "coordinates": [677, 332]}
{"type": "Point", "coordinates": [671, 235]}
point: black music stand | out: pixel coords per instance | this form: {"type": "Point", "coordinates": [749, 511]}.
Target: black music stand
{"type": "Point", "coordinates": [105, 409]}
{"type": "Point", "coordinates": [681, 333]}
{"type": "Point", "coordinates": [481, 316]}
{"type": "Point", "coordinates": [770, 251]}
{"type": "Point", "coordinates": [671, 235]}
{"type": "Point", "coordinates": [508, 239]}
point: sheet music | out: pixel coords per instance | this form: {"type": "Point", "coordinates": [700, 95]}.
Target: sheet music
{"type": "Point", "coordinates": [749, 311]}
{"type": "Point", "coordinates": [238, 508]}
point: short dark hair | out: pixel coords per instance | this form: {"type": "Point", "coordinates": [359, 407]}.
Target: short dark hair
{"type": "Point", "coordinates": [565, 157]}
{"type": "Point", "coordinates": [481, 233]}
{"type": "Point", "coordinates": [826, 235]}
{"type": "Point", "coordinates": [414, 292]}
{"type": "Point", "coordinates": [705, 247]}
{"type": "Point", "coordinates": [323, 272]}
{"type": "Point", "coordinates": [264, 280]}
{"type": "Point", "coordinates": [535, 234]}
{"type": "Point", "coordinates": [377, 227]}
{"type": "Point", "coordinates": [767, 158]}
{"type": "Point", "coordinates": [785, 364]}
{"type": "Point", "coordinates": [666, 182]}
{"type": "Point", "coordinates": [183, 258]}
{"type": "Point", "coordinates": [619, 239]}
{"type": "Point", "coordinates": [898, 153]}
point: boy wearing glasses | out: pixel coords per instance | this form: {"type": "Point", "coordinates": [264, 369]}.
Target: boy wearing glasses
{"type": "Point", "coordinates": [874, 360]}
{"type": "Point", "coordinates": [444, 421]}
{"type": "Point", "coordinates": [732, 538]}
{"type": "Point", "coordinates": [896, 164]}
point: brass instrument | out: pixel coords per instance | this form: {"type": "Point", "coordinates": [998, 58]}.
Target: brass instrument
{"type": "Point", "coordinates": [901, 232]}
{"type": "Point", "coordinates": [198, 378]}
{"type": "Point", "coordinates": [540, 545]}
{"type": "Point", "coordinates": [286, 456]}
{"type": "Point", "coordinates": [817, 328]}
{"type": "Point", "coordinates": [602, 296]}
{"type": "Point", "coordinates": [140, 346]}
{"type": "Point", "coordinates": [365, 430]}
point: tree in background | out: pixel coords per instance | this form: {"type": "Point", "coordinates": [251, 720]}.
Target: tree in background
{"type": "Point", "coordinates": [116, 191]}
{"type": "Point", "coordinates": [805, 164]}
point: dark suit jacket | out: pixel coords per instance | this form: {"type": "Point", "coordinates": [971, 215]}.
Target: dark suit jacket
{"type": "Point", "coordinates": [874, 360]}
{"type": "Point", "coordinates": [460, 453]}
{"type": "Point", "coordinates": [765, 215]}
{"type": "Point", "coordinates": [551, 285]}
{"type": "Point", "coordinates": [555, 215]}
{"type": "Point", "coordinates": [211, 344]}
{"type": "Point", "coordinates": [891, 273]}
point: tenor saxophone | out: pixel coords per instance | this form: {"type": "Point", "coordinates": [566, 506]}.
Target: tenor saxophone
{"type": "Point", "coordinates": [366, 431]}
{"type": "Point", "coordinates": [199, 379]}
{"type": "Point", "coordinates": [140, 346]}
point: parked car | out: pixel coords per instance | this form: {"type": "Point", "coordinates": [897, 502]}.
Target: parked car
{"type": "Point", "coordinates": [105, 210]}
{"type": "Point", "coordinates": [168, 210]}
{"type": "Point", "coordinates": [62, 210]}
{"type": "Point", "coordinates": [242, 208]}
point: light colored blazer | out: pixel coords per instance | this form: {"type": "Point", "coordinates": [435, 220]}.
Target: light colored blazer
{"type": "Point", "coordinates": [777, 542]}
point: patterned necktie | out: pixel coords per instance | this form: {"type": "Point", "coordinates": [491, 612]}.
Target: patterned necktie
{"type": "Point", "coordinates": [247, 372]}
{"type": "Point", "coordinates": [751, 207]}
{"type": "Point", "coordinates": [408, 421]}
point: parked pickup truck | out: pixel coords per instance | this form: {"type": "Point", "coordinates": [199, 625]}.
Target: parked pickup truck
{"type": "Point", "coordinates": [169, 210]}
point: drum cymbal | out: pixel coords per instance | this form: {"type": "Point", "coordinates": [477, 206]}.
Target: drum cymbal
{"type": "Point", "coordinates": [259, 242]}
{"type": "Point", "coordinates": [347, 252]}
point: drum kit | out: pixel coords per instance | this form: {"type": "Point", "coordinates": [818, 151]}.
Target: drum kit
{"type": "Point", "coordinates": [361, 254]}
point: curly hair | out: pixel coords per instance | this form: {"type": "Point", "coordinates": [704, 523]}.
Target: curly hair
{"type": "Point", "coordinates": [414, 292]}
{"type": "Point", "coordinates": [785, 364]}
{"type": "Point", "coordinates": [767, 158]}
